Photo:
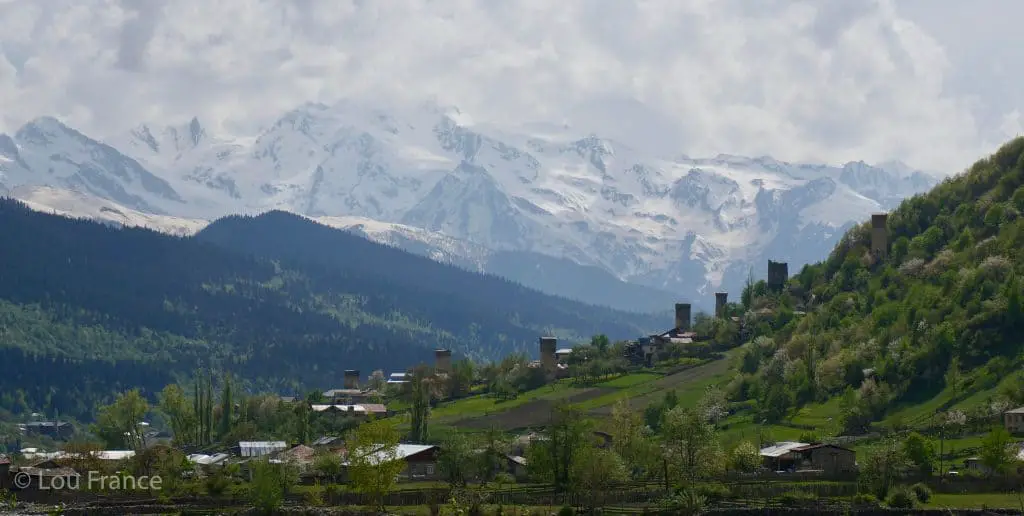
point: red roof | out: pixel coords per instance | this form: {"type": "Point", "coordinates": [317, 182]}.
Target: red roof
{"type": "Point", "coordinates": [376, 408]}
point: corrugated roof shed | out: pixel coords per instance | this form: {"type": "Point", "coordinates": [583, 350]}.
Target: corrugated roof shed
{"type": "Point", "coordinates": [207, 460]}
{"type": "Point", "coordinates": [260, 448]}
{"type": "Point", "coordinates": [325, 440]}
{"type": "Point", "coordinates": [402, 452]}
{"type": "Point", "coordinates": [343, 408]}
{"type": "Point", "coordinates": [781, 449]}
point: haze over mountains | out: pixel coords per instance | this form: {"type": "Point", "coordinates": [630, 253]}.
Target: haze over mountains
{"type": "Point", "coordinates": [556, 208]}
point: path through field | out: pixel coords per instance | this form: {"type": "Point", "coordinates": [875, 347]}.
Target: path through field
{"type": "Point", "coordinates": [536, 413]}
{"type": "Point", "coordinates": [699, 374]}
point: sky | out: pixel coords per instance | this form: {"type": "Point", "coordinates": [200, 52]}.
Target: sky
{"type": "Point", "coordinates": [928, 82]}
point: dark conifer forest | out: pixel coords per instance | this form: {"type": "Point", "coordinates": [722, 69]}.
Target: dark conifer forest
{"type": "Point", "coordinates": [88, 310]}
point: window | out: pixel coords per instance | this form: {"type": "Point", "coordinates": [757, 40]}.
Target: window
{"type": "Point", "coordinates": [430, 469]}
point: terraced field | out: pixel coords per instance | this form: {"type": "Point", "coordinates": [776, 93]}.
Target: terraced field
{"type": "Point", "coordinates": [532, 409]}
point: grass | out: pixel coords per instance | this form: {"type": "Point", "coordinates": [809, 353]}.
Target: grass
{"type": "Point", "coordinates": [482, 404]}
{"type": "Point", "coordinates": [628, 380]}
{"type": "Point", "coordinates": [975, 501]}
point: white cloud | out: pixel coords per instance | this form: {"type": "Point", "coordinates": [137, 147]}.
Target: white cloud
{"type": "Point", "coordinates": [800, 80]}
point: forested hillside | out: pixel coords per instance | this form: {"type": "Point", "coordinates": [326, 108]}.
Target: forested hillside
{"type": "Point", "coordinates": [86, 309]}
{"type": "Point", "coordinates": [941, 312]}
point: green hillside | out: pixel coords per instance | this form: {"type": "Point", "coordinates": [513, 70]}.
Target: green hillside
{"type": "Point", "coordinates": [87, 310]}
{"type": "Point", "coordinates": [901, 338]}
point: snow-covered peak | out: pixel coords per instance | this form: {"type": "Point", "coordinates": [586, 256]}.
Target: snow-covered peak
{"type": "Point", "coordinates": [555, 187]}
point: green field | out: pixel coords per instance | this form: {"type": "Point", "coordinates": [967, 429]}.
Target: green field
{"type": "Point", "coordinates": [976, 501]}
{"type": "Point", "coordinates": [531, 409]}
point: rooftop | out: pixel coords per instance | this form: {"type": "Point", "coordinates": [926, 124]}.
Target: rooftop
{"type": "Point", "coordinates": [1018, 410]}
{"type": "Point", "coordinates": [402, 451]}
{"type": "Point", "coordinates": [206, 460]}
{"type": "Point", "coordinates": [342, 392]}
{"type": "Point", "coordinates": [301, 454]}
{"type": "Point", "coordinates": [262, 444]}
{"type": "Point", "coordinates": [782, 448]}
{"type": "Point", "coordinates": [325, 440]}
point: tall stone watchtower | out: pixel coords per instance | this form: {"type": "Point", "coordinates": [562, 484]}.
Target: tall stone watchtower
{"type": "Point", "coordinates": [721, 299]}
{"type": "Point", "coordinates": [443, 361]}
{"type": "Point", "coordinates": [683, 316]}
{"type": "Point", "coordinates": [778, 273]}
{"type": "Point", "coordinates": [351, 379]}
{"type": "Point", "coordinates": [548, 346]}
{"type": "Point", "coordinates": [879, 235]}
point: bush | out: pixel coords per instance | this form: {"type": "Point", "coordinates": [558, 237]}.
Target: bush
{"type": "Point", "coordinates": [331, 493]}
{"type": "Point", "coordinates": [315, 496]}
{"type": "Point", "coordinates": [566, 511]}
{"type": "Point", "coordinates": [713, 492]}
{"type": "Point", "coordinates": [866, 500]}
{"type": "Point", "coordinates": [217, 482]}
{"type": "Point", "coordinates": [921, 492]}
{"type": "Point", "coordinates": [902, 499]}
{"type": "Point", "coordinates": [795, 498]}
{"type": "Point", "coordinates": [504, 478]}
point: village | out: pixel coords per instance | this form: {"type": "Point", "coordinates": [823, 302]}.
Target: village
{"type": "Point", "coordinates": [400, 400]}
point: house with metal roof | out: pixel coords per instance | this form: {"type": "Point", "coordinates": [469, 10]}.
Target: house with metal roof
{"type": "Point", "coordinates": [818, 457]}
{"type": "Point", "coordinates": [1013, 420]}
{"type": "Point", "coordinates": [260, 448]}
{"type": "Point", "coordinates": [361, 410]}
{"type": "Point", "coordinates": [202, 459]}
{"type": "Point", "coordinates": [420, 459]}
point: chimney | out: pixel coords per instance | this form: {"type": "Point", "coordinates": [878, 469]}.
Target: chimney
{"type": "Point", "coordinates": [443, 361]}
{"type": "Point", "coordinates": [778, 273]}
{"type": "Point", "coordinates": [351, 378]}
{"type": "Point", "coordinates": [879, 235]}
{"type": "Point", "coordinates": [548, 346]}
{"type": "Point", "coordinates": [683, 316]}
{"type": "Point", "coordinates": [721, 298]}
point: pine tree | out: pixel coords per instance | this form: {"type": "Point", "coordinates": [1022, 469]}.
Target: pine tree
{"type": "Point", "coordinates": [197, 407]}
{"type": "Point", "coordinates": [226, 407]}
{"type": "Point", "coordinates": [208, 408]}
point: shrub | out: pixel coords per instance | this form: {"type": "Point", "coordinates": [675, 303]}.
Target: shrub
{"type": "Point", "coordinates": [217, 482]}
{"type": "Point", "coordinates": [866, 500]}
{"type": "Point", "coordinates": [921, 492]}
{"type": "Point", "coordinates": [901, 498]}
{"type": "Point", "coordinates": [566, 511]}
{"type": "Point", "coordinates": [504, 478]}
{"type": "Point", "coordinates": [331, 493]}
{"type": "Point", "coordinates": [713, 492]}
{"type": "Point", "coordinates": [795, 498]}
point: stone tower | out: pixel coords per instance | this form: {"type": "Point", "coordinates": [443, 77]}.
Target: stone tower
{"type": "Point", "coordinates": [683, 316]}
{"type": "Point", "coordinates": [548, 346]}
{"type": "Point", "coordinates": [443, 361]}
{"type": "Point", "coordinates": [351, 379]}
{"type": "Point", "coordinates": [721, 298]}
{"type": "Point", "coordinates": [879, 235]}
{"type": "Point", "coordinates": [778, 273]}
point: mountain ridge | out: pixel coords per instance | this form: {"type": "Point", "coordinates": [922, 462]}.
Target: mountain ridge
{"type": "Point", "coordinates": [673, 224]}
{"type": "Point", "coordinates": [115, 299]}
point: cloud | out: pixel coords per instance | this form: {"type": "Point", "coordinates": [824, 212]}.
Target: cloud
{"type": "Point", "coordinates": [799, 80]}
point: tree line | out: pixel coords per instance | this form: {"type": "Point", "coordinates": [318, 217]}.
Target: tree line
{"type": "Point", "coordinates": [238, 297]}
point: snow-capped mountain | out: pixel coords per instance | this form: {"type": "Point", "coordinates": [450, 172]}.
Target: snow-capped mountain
{"type": "Point", "coordinates": [429, 179]}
